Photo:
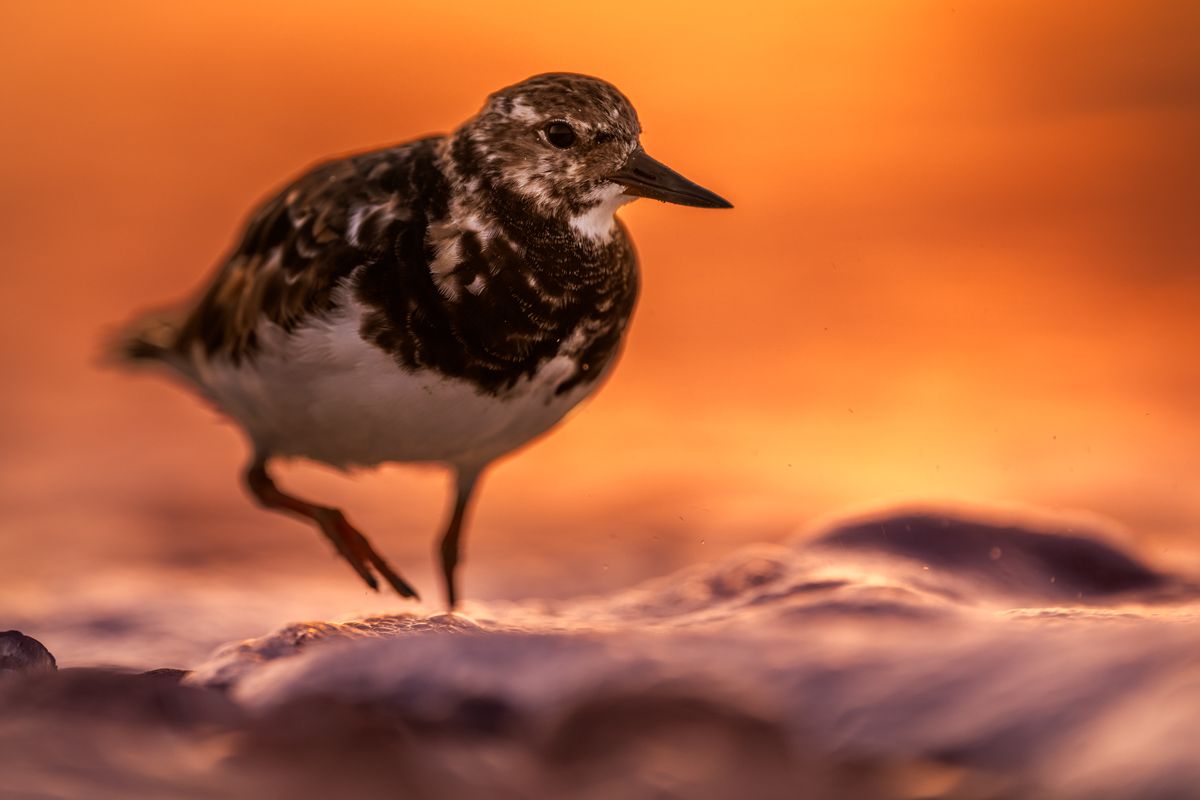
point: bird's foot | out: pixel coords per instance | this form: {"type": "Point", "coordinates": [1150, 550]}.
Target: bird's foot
{"type": "Point", "coordinates": [355, 548]}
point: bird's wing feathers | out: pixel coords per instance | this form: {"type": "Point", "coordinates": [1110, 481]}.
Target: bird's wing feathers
{"type": "Point", "coordinates": [299, 245]}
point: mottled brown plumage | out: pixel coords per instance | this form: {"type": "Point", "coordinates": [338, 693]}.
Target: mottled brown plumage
{"type": "Point", "coordinates": [295, 249]}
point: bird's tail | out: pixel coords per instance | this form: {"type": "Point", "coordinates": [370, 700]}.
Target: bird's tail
{"type": "Point", "coordinates": [150, 338]}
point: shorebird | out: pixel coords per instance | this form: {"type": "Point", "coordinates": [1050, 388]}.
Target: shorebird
{"type": "Point", "coordinates": [444, 300]}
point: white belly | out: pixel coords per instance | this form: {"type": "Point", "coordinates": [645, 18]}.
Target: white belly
{"type": "Point", "coordinates": [323, 393]}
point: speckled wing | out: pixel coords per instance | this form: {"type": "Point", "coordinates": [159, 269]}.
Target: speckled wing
{"type": "Point", "coordinates": [300, 244]}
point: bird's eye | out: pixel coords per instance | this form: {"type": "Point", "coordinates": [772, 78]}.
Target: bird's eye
{"type": "Point", "coordinates": [560, 134]}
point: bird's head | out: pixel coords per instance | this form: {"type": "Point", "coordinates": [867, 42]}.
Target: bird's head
{"type": "Point", "coordinates": [569, 146]}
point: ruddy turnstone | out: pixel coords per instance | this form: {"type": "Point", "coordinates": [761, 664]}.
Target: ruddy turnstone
{"type": "Point", "coordinates": [445, 300]}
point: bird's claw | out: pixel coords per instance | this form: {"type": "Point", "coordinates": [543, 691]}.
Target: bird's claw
{"type": "Point", "coordinates": [358, 552]}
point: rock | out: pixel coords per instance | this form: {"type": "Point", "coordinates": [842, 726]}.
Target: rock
{"type": "Point", "coordinates": [21, 653]}
{"type": "Point", "coordinates": [1041, 563]}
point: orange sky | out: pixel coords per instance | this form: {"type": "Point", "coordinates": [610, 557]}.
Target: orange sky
{"type": "Point", "coordinates": [964, 265]}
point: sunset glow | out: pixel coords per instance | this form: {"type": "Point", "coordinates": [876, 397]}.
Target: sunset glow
{"type": "Point", "coordinates": [963, 266]}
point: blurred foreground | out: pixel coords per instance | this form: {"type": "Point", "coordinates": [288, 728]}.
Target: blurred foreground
{"type": "Point", "coordinates": [907, 655]}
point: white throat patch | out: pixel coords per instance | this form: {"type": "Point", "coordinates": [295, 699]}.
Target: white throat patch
{"type": "Point", "coordinates": [597, 221]}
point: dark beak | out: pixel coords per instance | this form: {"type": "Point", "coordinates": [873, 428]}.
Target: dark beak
{"type": "Point", "coordinates": [642, 176]}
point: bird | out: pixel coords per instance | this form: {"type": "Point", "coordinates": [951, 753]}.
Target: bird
{"type": "Point", "coordinates": [444, 300]}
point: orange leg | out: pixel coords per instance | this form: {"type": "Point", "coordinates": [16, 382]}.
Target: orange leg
{"type": "Point", "coordinates": [350, 544]}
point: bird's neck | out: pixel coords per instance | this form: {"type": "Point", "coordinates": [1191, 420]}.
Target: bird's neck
{"type": "Point", "coordinates": [586, 226]}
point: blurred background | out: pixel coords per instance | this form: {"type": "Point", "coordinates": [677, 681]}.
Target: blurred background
{"type": "Point", "coordinates": [964, 267]}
